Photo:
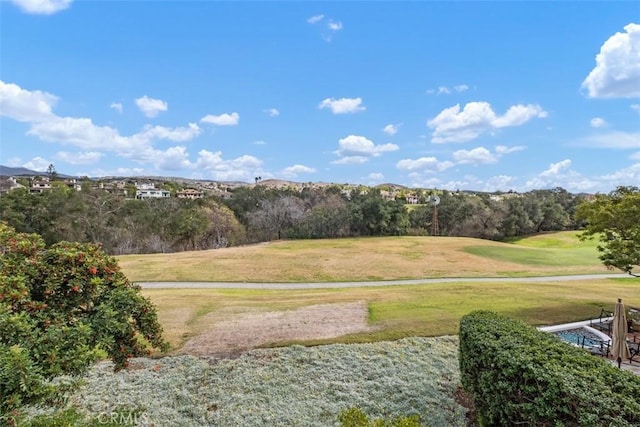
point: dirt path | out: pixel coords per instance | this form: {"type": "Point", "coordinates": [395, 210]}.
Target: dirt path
{"type": "Point", "coordinates": [247, 285]}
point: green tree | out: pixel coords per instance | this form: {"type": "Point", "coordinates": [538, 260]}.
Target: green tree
{"type": "Point", "coordinates": [373, 215]}
{"type": "Point", "coordinates": [454, 211]}
{"type": "Point", "coordinates": [517, 221]}
{"type": "Point", "coordinates": [224, 229]}
{"type": "Point", "coordinates": [327, 218]}
{"type": "Point", "coordinates": [614, 218]}
{"type": "Point", "coordinates": [61, 308]}
{"type": "Point", "coordinates": [247, 199]}
{"type": "Point", "coordinates": [51, 172]}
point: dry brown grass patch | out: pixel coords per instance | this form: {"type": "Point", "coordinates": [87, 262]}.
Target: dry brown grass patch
{"type": "Point", "coordinates": [250, 330]}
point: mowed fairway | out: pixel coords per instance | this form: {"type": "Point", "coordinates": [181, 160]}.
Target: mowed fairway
{"type": "Point", "coordinates": [396, 311]}
{"type": "Point", "coordinates": [392, 312]}
{"type": "Point", "coordinates": [375, 258]}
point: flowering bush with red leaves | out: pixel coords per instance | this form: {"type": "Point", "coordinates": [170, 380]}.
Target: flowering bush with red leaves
{"type": "Point", "coordinates": [60, 308]}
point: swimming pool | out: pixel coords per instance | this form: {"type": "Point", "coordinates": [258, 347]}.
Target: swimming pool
{"type": "Point", "coordinates": [581, 335]}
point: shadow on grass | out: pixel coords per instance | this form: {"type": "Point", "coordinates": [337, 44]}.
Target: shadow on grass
{"type": "Point", "coordinates": [557, 314]}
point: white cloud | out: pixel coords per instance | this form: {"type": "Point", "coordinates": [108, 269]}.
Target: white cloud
{"type": "Point", "coordinates": [343, 105]}
{"type": "Point", "coordinates": [315, 19]}
{"type": "Point", "coordinates": [635, 156]}
{"type": "Point", "coordinates": [476, 156]}
{"type": "Point", "coordinates": [116, 106]}
{"type": "Point", "coordinates": [390, 129]}
{"type": "Point", "coordinates": [332, 29]}
{"type": "Point", "coordinates": [499, 183]}
{"type": "Point", "coordinates": [121, 171]}
{"type": "Point", "coordinates": [375, 177]}
{"type": "Point", "coordinates": [358, 149]}
{"type": "Point", "coordinates": [242, 168]}
{"type": "Point", "coordinates": [42, 7]}
{"type": "Point", "coordinates": [151, 107]}
{"type": "Point", "coordinates": [444, 90]}
{"type": "Point", "coordinates": [85, 158]}
{"type": "Point", "coordinates": [81, 132]}
{"type": "Point", "coordinates": [623, 176]}
{"type": "Point", "coordinates": [454, 125]}
{"type": "Point", "coordinates": [13, 162]}
{"type": "Point", "coordinates": [598, 122]}
{"type": "Point", "coordinates": [329, 29]}
{"type": "Point", "coordinates": [178, 134]}
{"type": "Point", "coordinates": [635, 107]}
{"type": "Point", "coordinates": [272, 112]}
{"type": "Point", "coordinates": [37, 164]}
{"type": "Point", "coordinates": [35, 107]}
{"type": "Point", "coordinates": [173, 158]}
{"type": "Point", "coordinates": [334, 25]}
{"type": "Point", "coordinates": [295, 170]}
{"type": "Point", "coordinates": [351, 160]}
{"type": "Point", "coordinates": [517, 115]}
{"type": "Point", "coordinates": [24, 105]}
{"type": "Point", "coordinates": [260, 142]}
{"type": "Point", "coordinates": [469, 182]}
{"type": "Point", "coordinates": [479, 155]}
{"type": "Point", "coordinates": [424, 163]}
{"type": "Point", "coordinates": [503, 149]}
{"type": "Point", "coordinates": [556, 168]}
{"type": "Point", "coordinates": [613, 139]}
{"type": "Point", "coordinates": [560, 174]}
{"type": "Point", "coordinates": [617, 70]}
{"type": "Point", "coordinates": [222, 120]}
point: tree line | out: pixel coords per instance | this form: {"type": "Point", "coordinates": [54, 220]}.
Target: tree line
{"type": "Point", "coordinates": [258, 213]}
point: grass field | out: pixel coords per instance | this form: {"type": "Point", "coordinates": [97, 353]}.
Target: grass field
{"type": "Point", "coordinates": [394, 312]}
{"type": "Point", "coordinates": [375, 258]}
{"type": "Point", "coordinates": [399, 311]}
{"type": "Point", "coordinates": [562, 249]}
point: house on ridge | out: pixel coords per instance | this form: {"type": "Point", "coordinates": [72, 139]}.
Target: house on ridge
{"type": "Point", "coordinates": [149, 191]}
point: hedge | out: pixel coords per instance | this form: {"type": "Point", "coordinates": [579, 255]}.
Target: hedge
{"type": "Point", "coordinates": [518, 375]}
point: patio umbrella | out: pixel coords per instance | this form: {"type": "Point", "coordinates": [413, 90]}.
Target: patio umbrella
{"type": "Point", "coordinates": [619, 350]}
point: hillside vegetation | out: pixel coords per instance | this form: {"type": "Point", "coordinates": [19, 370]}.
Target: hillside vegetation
{"type": "Point", "coordinates": [106, 213]}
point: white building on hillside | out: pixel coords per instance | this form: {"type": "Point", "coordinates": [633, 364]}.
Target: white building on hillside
{"type": "Point", "coordinates": [149, 191]}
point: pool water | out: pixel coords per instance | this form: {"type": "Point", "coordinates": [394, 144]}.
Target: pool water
{"type": "Point", "coordinates": [583, 338]}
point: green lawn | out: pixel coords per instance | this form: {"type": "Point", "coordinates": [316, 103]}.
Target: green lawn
{"type": "Point", "coordinates": [400, 311]}
{"type": "Point", "coordinates": [547, 249]}
{"type": "Point", "coordinates": [555, 240]}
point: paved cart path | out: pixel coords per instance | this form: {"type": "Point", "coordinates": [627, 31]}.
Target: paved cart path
{"type": "Point", "coordinates": [325, 285]}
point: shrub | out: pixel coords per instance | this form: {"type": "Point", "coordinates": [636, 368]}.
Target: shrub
{"type": "Point", "coordinates": [355, 417]}
{"type": "Point", "coordinates": [61, 308]}
{"type": "Point", "coordinates": [518, 375]}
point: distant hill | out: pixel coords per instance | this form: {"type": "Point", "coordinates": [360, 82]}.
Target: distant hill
{"type": "Point", "coordinates": [8, 171]}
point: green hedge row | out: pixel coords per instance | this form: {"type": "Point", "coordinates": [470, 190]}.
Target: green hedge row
{"type": "Point", "coordinates": [518, 375]}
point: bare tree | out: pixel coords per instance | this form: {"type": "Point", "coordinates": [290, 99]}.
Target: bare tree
{"type": "Point", "coordinates": [273, 217]}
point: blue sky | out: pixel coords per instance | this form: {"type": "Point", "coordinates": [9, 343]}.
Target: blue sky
{"type": "Point", "coordinates": [458, 95]}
